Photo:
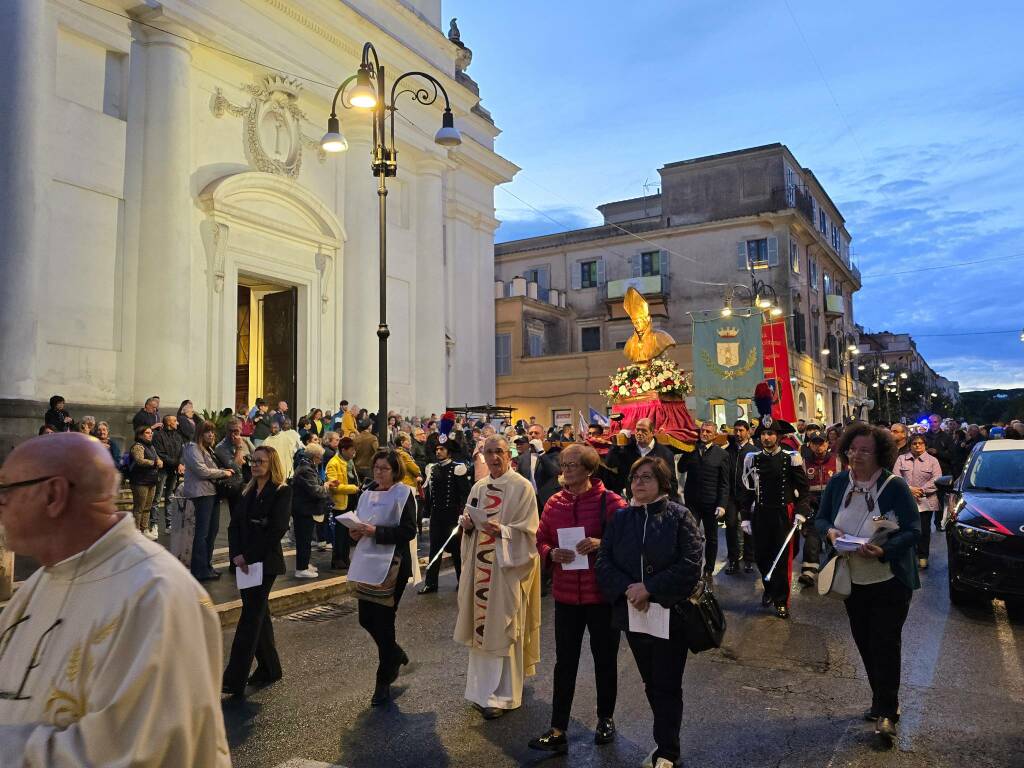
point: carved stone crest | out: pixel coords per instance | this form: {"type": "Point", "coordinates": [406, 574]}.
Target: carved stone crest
{"type": "Point", "coordinates": [272, 125]}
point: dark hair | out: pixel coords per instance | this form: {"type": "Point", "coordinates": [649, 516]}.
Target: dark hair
{"type": "Point", "coordinates": [741, 423]}
{"type": "Point", "coordinates": [56, 399]}
{"type": "Point", "coordinates": [343, 403]}
{"type": "Point", "coordinates": [659, 469]}
{"type": "Point", "coordinates": [598, 427]}
{"type": "Point", "coordinates": [46, 429]}
{"type": "Point", "coordinates": [885, 446]}
{"type": "Point", "coordinates": [915, 437]}
{"type": "Point", "coordinates": [166, 418]}
{"type": "Point", "coordinates": [183, 404]}
{"type": "Point", "coordinates": [260, 401]}
{"type": "Point", "coordinates": [206, 426]}
{"type": "Point", "coordinates": [391, 457]}
{"type": "Point", "coordinates": [140, 431]}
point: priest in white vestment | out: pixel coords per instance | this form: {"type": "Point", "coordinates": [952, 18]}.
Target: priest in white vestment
{"type": "Point", "coordinates": [110, 654]}
{"type": "Point", "coordinates": [499, 591]}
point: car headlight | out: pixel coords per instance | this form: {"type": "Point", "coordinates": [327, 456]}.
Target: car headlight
{"type": "Point", "coordinates": [973, 535]}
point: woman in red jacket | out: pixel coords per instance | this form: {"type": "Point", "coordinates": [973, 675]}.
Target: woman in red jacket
{"type": "Point", "coordinates": [583, 503]}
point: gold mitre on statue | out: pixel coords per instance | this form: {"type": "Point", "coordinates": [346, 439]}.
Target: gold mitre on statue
{"type": "Point", "coordinates": [646, 344]}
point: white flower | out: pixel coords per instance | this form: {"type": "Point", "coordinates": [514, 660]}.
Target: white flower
{"type": "Point", "coordinates": [646, 386]}
{"type": "Point", "coordinates": [623, 391]}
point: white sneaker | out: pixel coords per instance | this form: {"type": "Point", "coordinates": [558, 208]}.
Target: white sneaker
{"type": "Point", "coordinates": [306, 574]}
{"type": "Point", "coordinates": [663, 763]}
{"type": "Point", "coordinates": [150, 534]}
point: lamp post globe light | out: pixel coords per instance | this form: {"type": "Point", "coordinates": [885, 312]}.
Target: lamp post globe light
{"type": "Point", "coordinates": [368, 93]}
{"type": "Point", "coordinates": [759, 294]}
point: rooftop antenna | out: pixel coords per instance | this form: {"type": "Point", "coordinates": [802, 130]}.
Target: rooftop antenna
{"type": "Point", "coordinates": [647, 183]}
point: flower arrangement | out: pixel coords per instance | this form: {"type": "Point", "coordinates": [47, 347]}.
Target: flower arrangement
{"type": "Point", "coordinates": [660, 376]}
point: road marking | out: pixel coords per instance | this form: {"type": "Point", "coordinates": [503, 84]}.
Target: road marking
{"type": "Point", "coordinates": [1008, 649]}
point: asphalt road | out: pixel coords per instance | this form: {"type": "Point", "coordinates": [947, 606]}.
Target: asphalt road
{"type": "Point", "coordinates": [777, 694]}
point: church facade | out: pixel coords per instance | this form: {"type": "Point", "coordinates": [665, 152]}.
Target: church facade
{"type": "Point", "coordinates": [171, 226]}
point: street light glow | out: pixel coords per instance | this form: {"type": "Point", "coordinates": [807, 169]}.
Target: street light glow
{"type": "Point", "coordinates": [363, 95]}
{"type": "Point", "coordinates": [333, 141]}
{"type": "Point", "coordinates": [884, 366]}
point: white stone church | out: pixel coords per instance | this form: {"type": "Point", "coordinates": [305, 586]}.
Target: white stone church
{"type": "Point", "coordinates": [170, 225]}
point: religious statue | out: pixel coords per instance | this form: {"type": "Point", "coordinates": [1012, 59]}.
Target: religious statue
{"type": "Point", "coordinates": [646, 344]}
{"type": "Point", "coordinates": [453, 32]}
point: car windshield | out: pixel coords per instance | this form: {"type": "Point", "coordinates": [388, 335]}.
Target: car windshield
{"type": "Point", "coordinates": [1000, 471]}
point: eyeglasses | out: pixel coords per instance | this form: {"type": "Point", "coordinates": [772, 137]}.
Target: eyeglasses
{"type": "Point", "coordinates": [860, 452]}
{"type": "Point", "coordinates": [258, 462]}
{"type": "Point", "coordinates": [5, 487]}
{"type": "Point", "coordinates": [569, 464]}
{"type": "Point", "coordinates": [643, 478]}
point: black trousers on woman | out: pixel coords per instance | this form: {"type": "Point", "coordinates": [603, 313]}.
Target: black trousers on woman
{"type": "Point", "coordinates": [570, 622]}
{"type": "Point", "coordinates": [304, 525]}
{"type": "Point", "coordinates": [661, 663]}
{"type": "Point", "coordinates": [379, 621]}
{"type": "Point", "coordinates": [877, 613]}
{"type": "Point", "coordinates": [254, 638]}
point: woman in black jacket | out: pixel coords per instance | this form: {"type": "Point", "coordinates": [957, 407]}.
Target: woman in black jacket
{"type": "Point", "coordinates": [142, 476]}
{"type": "Point", "coordinates": [254, 536]}
{"type": "Point", "coordinates": [377, 610]}
{"type": "Point", "coordinates": [309, 497]}
{"type": "Point", "coordinates": [650, 558]}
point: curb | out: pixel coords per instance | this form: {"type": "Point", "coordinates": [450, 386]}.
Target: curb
{"type": "Point", "coordinates": [287, 600]}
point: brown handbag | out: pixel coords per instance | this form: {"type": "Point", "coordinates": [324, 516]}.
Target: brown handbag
{"type": "Point", "coordinates": [383, 593]}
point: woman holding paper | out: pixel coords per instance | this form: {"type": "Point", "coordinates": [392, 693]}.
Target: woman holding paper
{"type": "Point", "coordinates": [258, 522]}
{"type": "Point", "coordinates": [870, 502]}
{"type": "Point", "coordinates": [568, 538]}
{"type": "Point", "coordinates": [382, 563]}
{"type": "Point", "coordinates": [650, 560]}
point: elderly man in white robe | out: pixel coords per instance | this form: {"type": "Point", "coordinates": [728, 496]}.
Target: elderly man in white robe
{"type": "Point", "coordinates": [499, 590]}
{"type": "Point", "coordinates": [110, 653]}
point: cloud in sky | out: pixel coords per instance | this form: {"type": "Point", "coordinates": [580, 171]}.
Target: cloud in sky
{"type": "Point", "coordinates": [922, 153]}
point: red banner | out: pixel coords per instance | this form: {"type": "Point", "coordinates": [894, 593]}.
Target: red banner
{"type": "Point", "coordinates": [776, 369]}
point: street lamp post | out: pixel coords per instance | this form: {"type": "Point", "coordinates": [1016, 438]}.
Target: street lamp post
{"type": "Point", "coordinates": [760, 295]}
{"type": "Point", "coordinates": [368, 93]}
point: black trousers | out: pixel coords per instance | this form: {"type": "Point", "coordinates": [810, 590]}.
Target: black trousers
{"type": "Point", "coordinates": [570, 622]}
{"type": "Point", "coordinates": [254, 638]}
{"type": "Point", "coordinates": [811, 547]}
{"type": "Point", "coordinates": [924, 544]}
{"type": "Point", "coordinates": [440, 529]}
{"type": "Point", "coordinates": [877, 613]}
{"type": "Point", "coordinates": [304, 527]}
{"type": "Point", "coordinates": [706, 517]}
{"type": "Point", "coordinates": [379, 621]}
{"type": "Point", "coordinates": [661, 664]}
{"type": "Point", "coordinates": [738, 544]}
{"type": "Point", "coordinates": [771, 526]}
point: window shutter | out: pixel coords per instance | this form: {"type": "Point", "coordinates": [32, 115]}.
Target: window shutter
{"type": "Point", "coordinates": [663, 266]}
{"type": "Point", "coordinates": [635, 265]}
{"type": "Point", "coordinates": [773, 252]}
{"type": "Point", "coordinates": [577, 281]}
{"type": "Point", "coordinates": [741, 255]}
{"type": "Point", "coordinates": [600, 271]}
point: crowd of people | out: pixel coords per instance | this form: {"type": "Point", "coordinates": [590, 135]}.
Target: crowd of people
{"type": "Point", "coordinates": [623, 529]}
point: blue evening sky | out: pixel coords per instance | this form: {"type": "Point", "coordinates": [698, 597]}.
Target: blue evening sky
{"type": "Point", "coordinates": [909, 113]}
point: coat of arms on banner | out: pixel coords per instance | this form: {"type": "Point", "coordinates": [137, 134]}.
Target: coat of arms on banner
{"type": "Point", "coordinates": [728, 350]}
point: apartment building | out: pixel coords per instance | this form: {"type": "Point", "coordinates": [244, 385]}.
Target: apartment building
{"type": "Point", "coordinates": [899, 352]}
{"type": "Point", "coordinates": [716, 221]}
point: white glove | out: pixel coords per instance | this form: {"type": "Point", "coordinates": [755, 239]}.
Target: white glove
{"type": "Point", "coordinates": [745, 527]}
{"type": "Point", "coordinates": [719, 512]}
{"type": "Point", "coordinates": [799, 519]}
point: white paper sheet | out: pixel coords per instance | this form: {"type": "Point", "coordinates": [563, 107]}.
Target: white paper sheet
{"type": "Point", "coordinates": [848, 543]}
{"type": "Point", "coordinates": [568, 538]}
{"type": "Point", "coordinates": [653, 621]}
{"type": "Point", "coordinates": [349, 519]}
{"type": "Point", "coordinates": [251, 579]}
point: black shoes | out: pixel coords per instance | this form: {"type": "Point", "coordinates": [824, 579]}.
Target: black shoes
{"type": "Point", "coordinates": [782, 611]}
{"type": "Point", "coordinates": [766, 599]}
{"type": "Point", "coordinates": [427, 589]}
{"type": "Point", "coordinates": [605, 731]}
{"type": "Point", "coordinates": [748, 567]}
{"type": "Point", "coordinates": [870, 715]}
{"type": "Point", "coordinates": [807, 578]}
{"type": "Point", "coordinates": [491, 713]}
{"type": "Point", "coordinates": [731, 567]}
{"type": "Point", "coordinates": [234, 693]}
{"type": "Point", "coordinates": [381, 694]}
{"type": "Point", "coordinates": [401, 659]}
{"type": "Point", "coordinates": [550, 742]}
{"type": "Point", "coordinates": [259, 679]}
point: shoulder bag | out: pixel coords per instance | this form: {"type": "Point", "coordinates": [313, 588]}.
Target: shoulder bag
{"type": "Point", "coordinates": [703, 620]}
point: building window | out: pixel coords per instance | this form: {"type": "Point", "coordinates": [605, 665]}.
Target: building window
{"type": "Point", "coordinates": [620, 344]}
{"type": "Point", "coordinates": [802, 406]}
{"type": "Point", "coordinates": [816, 335]}
{"type": "Point", "coordinates": [835, 238]}
{"type": "Point", "coordinates": [826, 280]}
{"type": "Point", "coordinates": [799, 332]}
{"type": "Point", "coordinates": [757, 254]}
{"type": "Point", "coordinates": [588, 274]}
{"type": "Point", "coordinates": [590, 339]}
{"type": "Point", "coordinates": [535, 344]}
{"type": "Point", "coordinates": [822, 221]}
{"type": "Point", "coordinates": [794, 257]}
{"type": "Point", "coordinates": [650, 263]}
{"type": "Point", "coordinates": [812, 273]}
{"type": "Point", "coordinates": [503, 354]}
{"type": "Point", "coordinates": [542, 277]}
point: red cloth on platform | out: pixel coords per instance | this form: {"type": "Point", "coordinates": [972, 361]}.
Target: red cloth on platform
{"type": "Point", "coordinates": [672, 421]}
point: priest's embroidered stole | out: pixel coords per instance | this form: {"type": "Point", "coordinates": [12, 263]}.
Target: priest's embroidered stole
{"type": "Point", "coordinates": [484, 566]}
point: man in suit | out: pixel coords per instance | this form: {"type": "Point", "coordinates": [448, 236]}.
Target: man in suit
{"type": "Point", "coordinates": [642, 443]}
{"type": "Point", "coordinates": [536, 465]}
{"type": "Point", "coordinates": [706, 489]}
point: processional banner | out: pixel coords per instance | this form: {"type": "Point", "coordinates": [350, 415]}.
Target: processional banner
{"type": "Point", "coordinates": [727, 357]}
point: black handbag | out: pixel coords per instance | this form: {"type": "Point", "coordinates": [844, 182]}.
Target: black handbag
{"type": "Point", "coordinates": [703, 620]}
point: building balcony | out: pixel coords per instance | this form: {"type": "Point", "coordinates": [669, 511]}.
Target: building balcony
{"type": "Point", "coordinates": [654, 288]}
